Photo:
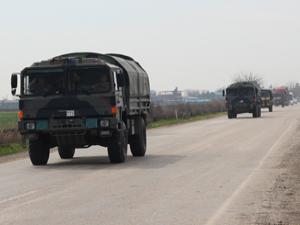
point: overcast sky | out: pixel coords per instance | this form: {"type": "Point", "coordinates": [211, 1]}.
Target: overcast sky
{"type": "Point", "coordinates": [190, 44]}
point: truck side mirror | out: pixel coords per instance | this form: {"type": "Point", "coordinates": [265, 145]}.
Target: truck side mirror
{"type": "Point", "coordinates": [14, 83]}
{"type": "Point", "coordinates": [223, 93]}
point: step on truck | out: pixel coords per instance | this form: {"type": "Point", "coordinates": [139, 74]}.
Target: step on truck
{"type": "Point", "coordinates": [243, 97]}
{"type": "Point", "coordinates": [82, 99]}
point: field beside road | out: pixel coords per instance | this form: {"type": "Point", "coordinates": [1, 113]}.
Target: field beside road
{"type": "Point", "coordinates": [10, 140]}
{"type": "Point", "coordinates": [217, 171]}
{"type": "Point", "coordinates": [8, 120]}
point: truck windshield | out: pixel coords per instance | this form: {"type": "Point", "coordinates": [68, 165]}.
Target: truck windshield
{"type": "Point", "coordinates": [277, 95]}
{"type": "Point", "coordinates": [89, 80]}
{"type": "Point", "coordinates": [57, 82]}
{"type": "Point", "coordinates": [43, 82]}
{"type": "Point", "coordinates": [240, 92]}
{"type": "Point", "coordinates": [265, 94]}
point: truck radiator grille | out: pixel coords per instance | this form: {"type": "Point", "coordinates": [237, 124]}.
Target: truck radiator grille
{"type": "Point", "coordinates": [65, 124]}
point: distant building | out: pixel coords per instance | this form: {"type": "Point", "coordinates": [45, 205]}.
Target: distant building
{"type": "Point", "coordinates": [8, 105]}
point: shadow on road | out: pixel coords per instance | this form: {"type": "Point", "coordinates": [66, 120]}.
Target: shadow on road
{"type": "Point", "coordinates": [102, 162]}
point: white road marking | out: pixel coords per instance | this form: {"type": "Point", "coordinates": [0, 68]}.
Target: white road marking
{"type": "Point", "coordinates": [18, 196]}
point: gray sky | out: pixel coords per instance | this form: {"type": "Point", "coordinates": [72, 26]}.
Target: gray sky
{"type": "Point", "coordinates": [190, 44]}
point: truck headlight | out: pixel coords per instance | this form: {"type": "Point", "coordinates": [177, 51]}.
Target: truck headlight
{"type": "Point", "coordinates": [30, 126]}
{"type": "Point", "coordinates": [104, 123]}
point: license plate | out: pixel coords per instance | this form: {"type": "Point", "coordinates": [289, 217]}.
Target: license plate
{"type": "Point", "coordinates": [70, 113]}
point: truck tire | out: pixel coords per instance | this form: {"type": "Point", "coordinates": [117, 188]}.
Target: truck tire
{"type": "Point", "coordinates": [138, 142]}
{"type": "Point", "coordinates": [117, 149]}
{"type": "Point", "coordinates": [38, 152]}
{"type": "Point", "coordinates": [271, 108]}
{"type": "Point", "coordinates": [255, 112]}
{"type": "Point", "coordinates": [231, 115]}
{"type": "Point", "coordinates": [259, 111]}
{"type": "Point", "coordinates": [66, 152]}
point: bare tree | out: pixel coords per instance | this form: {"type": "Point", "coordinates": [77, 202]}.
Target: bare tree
{"type": "Point", "coordinates": [249, 77]}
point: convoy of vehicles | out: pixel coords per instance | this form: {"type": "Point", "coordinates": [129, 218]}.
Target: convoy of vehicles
{"type": "Point", "coordinates": [243, 97]}
{"type": "Point", "coordinates": [82, 99]}
{"type": "Point", "coordinates": [267, 99]}
{"type": "Point", "coordinates": [247, 97]}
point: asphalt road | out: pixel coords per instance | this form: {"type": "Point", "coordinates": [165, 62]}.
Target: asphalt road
{"type": "Point", "coordinates": [195, 173]}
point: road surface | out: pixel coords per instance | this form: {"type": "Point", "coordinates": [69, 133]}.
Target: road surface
{"type": "Point", "coordinates": [219, 171]}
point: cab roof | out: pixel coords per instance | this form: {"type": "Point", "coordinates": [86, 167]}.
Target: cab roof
{"type": "Point", "coordinates": [244, 84]}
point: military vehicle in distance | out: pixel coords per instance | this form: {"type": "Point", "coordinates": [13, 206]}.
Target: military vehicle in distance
{"type": "Point", "coordinates": [267, 99]}
{"type": "Point", "coordinates": [82, 99]}
{"type": "Point", "coordinates": [281, 96]}
{"type": "Point", "coordinates": [243, 97]}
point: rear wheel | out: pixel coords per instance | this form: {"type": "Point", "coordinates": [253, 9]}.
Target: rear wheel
{"type": "Point", "coordinates": [38, 152]}
{"type": "Point", "coordinates": [255, 112]}
{"type": "Point", "coordinates": [138, 142]}
{"type": "Point", "coordinates": [231, 115]}
{"type": "Point", "coordinates": [66, 152]}
{"type": "Point", "coordinates": [271, 108]}
{"type": "Point", "coordinates": [117, 149]}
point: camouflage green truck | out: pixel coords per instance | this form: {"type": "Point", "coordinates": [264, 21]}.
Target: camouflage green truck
{"type": "Point", "coordinates": [243, 97]}
{"type": "Point", "coordinates": [82, 99]}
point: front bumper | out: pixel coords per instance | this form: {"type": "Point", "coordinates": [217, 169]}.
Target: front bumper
{"type": "Point", "coordinates": [66, 125]}
{"type": "Point", "coordinates": [241, 107]}
{"type": "Point", "coordinates": [70, 131]}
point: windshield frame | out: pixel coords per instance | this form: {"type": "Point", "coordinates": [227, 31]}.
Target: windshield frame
{"type": "Point", "coordinates": [66, 71]}
{"type": "Point", "coordinates": [237, 89]}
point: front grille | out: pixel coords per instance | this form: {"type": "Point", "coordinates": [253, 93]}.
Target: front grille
{"type": "Point", "coordinates": [67, 124]}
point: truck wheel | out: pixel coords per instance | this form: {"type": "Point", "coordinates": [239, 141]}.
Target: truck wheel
{"type": "Point", "coordinates": [229, 115]}
{"type": "Point", "coordinates": [259, 111]}
{"type": "Point", "coordinates": [117, 149]}
{"type": "Point", "coordinates": [271, 109]}
{"type": "Point", "coordinates": [138, 142]}
{"type": "Point", "coordinates": [255, 112]}
{"type": "Point", "coordinates": [66, 152]}
{"type": "Point", "coordinates": [38, 152]}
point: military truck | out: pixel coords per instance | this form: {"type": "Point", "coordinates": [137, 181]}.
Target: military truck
{"type": "Point", "coordinates": [267, 99]}
{"type": "Point", "coordinates": [281, 96]}
{"type": "Point", "coordinates": [82, 99]}
{"type": "Point", "coordinates": [243, 97]}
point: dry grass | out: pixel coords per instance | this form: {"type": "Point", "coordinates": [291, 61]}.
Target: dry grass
{"type": "Point", "coordinates": [183, 111]}
{"type": "Point", "coordinates": [9, 136]}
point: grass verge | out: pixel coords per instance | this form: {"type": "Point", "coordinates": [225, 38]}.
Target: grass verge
{"type": "Point", "coordinates": [11, 149]}
{"type": "Point", "coordinates": [8, 119]}
{"type": "Point", "coordinates": [174, 121]}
